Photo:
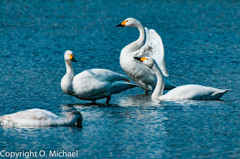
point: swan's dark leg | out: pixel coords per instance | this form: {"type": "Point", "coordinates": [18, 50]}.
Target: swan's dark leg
{"type": "Point", "coordinates": [93, 101]}
{"type": "Point", "coordinates": [108, 99]}
{"type": "Point", "coordinates": [146, 92]}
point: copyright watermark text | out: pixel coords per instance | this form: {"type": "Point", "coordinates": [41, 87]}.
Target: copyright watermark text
{"type": "Point", "coordinates": [39, 154]}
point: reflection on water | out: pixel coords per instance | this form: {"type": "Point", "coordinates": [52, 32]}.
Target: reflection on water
{"type": "Point", "coordinates": [137, 100]}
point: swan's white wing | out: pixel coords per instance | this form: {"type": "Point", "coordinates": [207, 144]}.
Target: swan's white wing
{"type": "Point", "coordinates": [103, 75]}
{"type": "Point", "coordinates": [193, 92]}
{"type": "Point", "coordinates": [110, 76]}
{"type": "Point", "coordinates": [154, 47]}
{"type": "Point", "coordinates": [41, 114]}
{"type": "Point", "coordinates": [98, 83]}
{"type": "Point", "coordinates": [31, 114]}
{"type": "Point", "coordinates": [32, 117]}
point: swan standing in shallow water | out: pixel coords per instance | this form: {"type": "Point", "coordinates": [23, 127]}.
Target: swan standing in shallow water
{"type": "Point", "coordinates": [149, 44]}
{"type": "Point", "coordinates": [92, 84]}
{"type": "Point", "coordinates": [185, 92]}
{"type": "Point", "coordinates": [40, 118]}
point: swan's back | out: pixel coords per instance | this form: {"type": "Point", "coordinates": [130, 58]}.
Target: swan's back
{"type": "Point", "coordinates": [101, 75]}
{"type": "Point", "coordinates": [29, 117]}
{"type": "Point", "coordinates": [99, 83]}
{"type": "Point", "coordinates": [193, 92]}
{"type": "Point", "coordinates": [33, 117]}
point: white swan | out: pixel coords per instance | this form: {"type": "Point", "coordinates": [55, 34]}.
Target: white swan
{"type": "Point", "coordinates": [185, 92]}
{"type": "Point", "coordinates": [146, 45]}
{"type": "Point", "coordinates": [41, 117]}
{"type": "Point", "coordinates": [92, 84]}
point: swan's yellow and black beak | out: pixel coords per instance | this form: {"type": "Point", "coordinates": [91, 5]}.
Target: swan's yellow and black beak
{"type": "Point", "coordinates": [71, 57]}
{"type": "Point", "coordinates": [122, 24]}
{"type": "Point", "coordinates": [140, 58]}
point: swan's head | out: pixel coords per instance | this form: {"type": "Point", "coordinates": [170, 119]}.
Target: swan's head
{"type": "Point", "coordinates": [76, 118]}
{"type": "Point", "coordinates": [148, 61]}
{"type": "Point", "coordinates": [129, 22]}
{"type": "Point", "coordinates": [69, 56]}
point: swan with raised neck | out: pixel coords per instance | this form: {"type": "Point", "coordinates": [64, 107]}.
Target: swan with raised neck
{"type": "Point", "coordinates": [139, 73]}
{"type": "Point", "coordinates": [66, 82]}
{"type": "Point", "coordinates": [136, 45]}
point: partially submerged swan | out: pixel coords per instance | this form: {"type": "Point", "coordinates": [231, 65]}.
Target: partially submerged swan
{"type": "Point", "coordinates": [92, 84]}
{"type": "Point", "coordinates": [149, 43]}
{"type": "Point", "coordinates": [185, 92]}
{"type": "Point", "coordinates": [40, 118]}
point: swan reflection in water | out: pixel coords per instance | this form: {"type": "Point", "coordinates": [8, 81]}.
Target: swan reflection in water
{"type": "Point", "coordinates": [128, 117]}
{"type": "Point", "coordinates": [126, 107]}
{"type": "Point", "coordinates": [125, 101]}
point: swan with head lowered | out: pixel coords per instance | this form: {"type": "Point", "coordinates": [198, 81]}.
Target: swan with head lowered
{"type": "Point", "coordinates": [185, 92]}
{"type": "Point", "coordinates": [40, 118]}
{"type": "Point", "coordinates": [149, 43]}
{"type": "Point", "coordinates": [92, 84]}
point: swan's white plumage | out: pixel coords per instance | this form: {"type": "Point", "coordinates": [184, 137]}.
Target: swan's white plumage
{"type": "Point", "coordinates": [193, 92]}
{"type": "Point", "coordinates": [40, 117]}
{"type": "Point", "coordinates": [149, 43]}
{"type": "Point", "coordinates": [99, 83]}
{"type": "Point", "coordinates": [185, 92]}
{"type": "Point", "coordinates": [93, 84]}
{"type": "Point", "coordinates": [154, 47]}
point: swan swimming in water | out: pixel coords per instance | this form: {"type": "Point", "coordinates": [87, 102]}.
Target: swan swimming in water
{"type": "Point", "coordinates": [92, 84]}
{"type": "Point", "coordinates": [40, 118]}
{"type": "Point", "coordinates": [149, 43]}
{"type": "Point", "coordinates": [185, 92]}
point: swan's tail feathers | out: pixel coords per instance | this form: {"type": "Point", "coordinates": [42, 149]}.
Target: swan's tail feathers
{"type": "Point", "coordinates": [2, 119]}
{"type": "Point", "coordinates": [132, 85]}
{"type": "Point", "coordinates": [121, 86]}
{"type": "Point", "coordinates": [220, 93]}
{"type": "Point", "coordinates": [128, 82]}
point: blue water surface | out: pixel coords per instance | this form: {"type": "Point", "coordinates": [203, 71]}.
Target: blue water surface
{"type": "Point", "coordinates": [201, 41]}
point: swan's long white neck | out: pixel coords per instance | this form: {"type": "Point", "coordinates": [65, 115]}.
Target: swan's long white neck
{"type": "Point", "coordinates": [136, 45]}
{"type": "Point", "coordinates": [68, 120]}
{"type": "Point", "coordinates": [66, 83]}
{"type": "Point", "coordinates": [158, 91]}
{"type": "Point", "coordinates": [69, 67]}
